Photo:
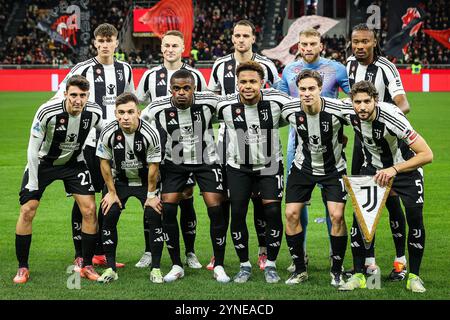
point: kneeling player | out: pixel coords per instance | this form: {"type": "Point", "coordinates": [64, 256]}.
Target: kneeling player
{"type": "Point", "coordinates": [319, 159]}
{"type": "Point", "coordinates": [382, 129]}
{"type": "Point", "coordinates": [126, 148]}
{"type": "Point", "coordinates": [185, 123]}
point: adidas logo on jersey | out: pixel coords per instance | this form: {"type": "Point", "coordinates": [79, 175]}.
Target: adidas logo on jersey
{"type": "Point", "coordinates": [229, 75]}
{"type": "Point", "coordinates": [162, 83]}
{"type": "Point", "coordinates": [219, 187]}
{"type": "Point", "coordinates": [420, 200]}
{"type": "Point", "coordinates": [173, 122]}
{"type": "Point", "coordinates": [239, 119]}
{"type": "Point", "coordinates": [118, 146]}
{"type": "Point", "coordinates": [61, 128]}
{"type": "Point", "coordinates": [99, 79]}
{"type": "Point", "coordinates": [190, 181]}
{"type": "Point", "coordinates": [91, 189]}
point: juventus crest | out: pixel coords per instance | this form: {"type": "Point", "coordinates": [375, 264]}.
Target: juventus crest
{"type": "Point", "coordinates": [120, 74]}
{"type": "Point", "coordinates": [197, 116]}
{"type": "Point", "coordinates": [377, 133]}
{"type": "Point", "coordinates": [138, 146]}
{"type": "Point", "coordinates": [85, 124]}
{"type": "Point", "coordinates": [265, 114]}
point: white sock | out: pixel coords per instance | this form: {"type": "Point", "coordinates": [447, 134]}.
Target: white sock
{"type": "Point", "coordinates": [271, 264]}
{"type": "Point", "coordinates": [401, 259]}
{"type": "Point", "coordinates": [262, 250]}
{"type": "Point", "coordinates": [246, 264]}
{"type": "Point", "coordinates": [370, 261]}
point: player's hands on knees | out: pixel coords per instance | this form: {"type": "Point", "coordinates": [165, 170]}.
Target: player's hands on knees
{"type": "Point", "coordinates": [383, 176]}
{"type": "Point", "coordinates": [155, 203]}
{"type": "Point", "coordinates": [108, 200]}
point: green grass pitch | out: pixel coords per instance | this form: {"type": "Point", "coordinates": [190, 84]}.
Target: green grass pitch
{"type": "Point", "coordinates": [52, 248]}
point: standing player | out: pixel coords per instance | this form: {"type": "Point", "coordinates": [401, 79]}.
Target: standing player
{"type": "Point", "coordinates": [156, 83]}
{"type": "Point", "coordinates": [368, 64]}
{"type": "Point", "coordinates": [381, 127]}
{"type": "Point", "coordinates": [108, 78]}
{"type": "Point", "coordinates": [334, 76]}
{"type": "Point", "coordinates": [127, 148]}
{"type": "Point", "coordinates": [319, 159]}
{"type": "Point", "coordinates": [254, 161]}
{"type": "Point", "coordinates": [185, 123]}
{"type": "Point", "coordinates": [60, 128]}
{"type": "Point", "coordinates": [223, 81]}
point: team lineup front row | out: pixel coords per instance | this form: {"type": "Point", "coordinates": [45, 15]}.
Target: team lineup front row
{"type": "Point", "coordinates": [152, 155]}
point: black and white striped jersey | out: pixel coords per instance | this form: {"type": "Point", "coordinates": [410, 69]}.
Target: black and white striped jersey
{"type": "Point", "coordinates": [155, 82]}
{"type": "Point", "coordinates": [223, 74]}
{"type": "Point", "coordinates": [383, 137]}
{"type": "Point", "coordinates": [252, 131]}
{"type": "Point", "coordinates": [106, 83]}
{"type": "Point", "coordinates": [57, 137]}
{"type": "Point", "coordinates": [130, 153]}
{"type": "Point", "coordinates": [187, 134]}
{"type": "Point", "coordinates": [381, 72]}
{"type": "Point", "coordinates": [319, 150]}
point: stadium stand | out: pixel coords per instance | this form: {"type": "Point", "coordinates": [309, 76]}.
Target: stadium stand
{"type": "Point", "coordinates": [211, 34]}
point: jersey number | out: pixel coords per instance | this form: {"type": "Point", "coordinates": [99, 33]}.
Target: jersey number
{"type": "Point", "coordinates": [85, 177]}
{"type": "Point", "coordinates": [218, 173]}
{"type": "Point", "coordinates": [280, 181]}
{"type": "Point", "coordinates": [419, 184]}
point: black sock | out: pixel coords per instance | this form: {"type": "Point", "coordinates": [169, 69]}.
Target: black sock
{"type": "Point", "coordinates": [156, 239]}
{"type": "Point", "coordinates": [238, 228]}
{"type": "Point", "coordinates": [259, 220]}
{"type": "Point", "coordinates": [295, 244]}
{"type": "Point", "coordinates": [88, 242]}
{"type": "Point", "coordinates": [416, 238]}
{"type": "Point", "coordinates": [370, 253]}
{"type": "Point", "coordinates": [188, 224]}
{"type": "Point", "coordinates": [23, 244]}
{"type": "Point", "coordinates": [338, 247]}
{"type": "Point", "coordinates": [99, 246]}
{"type": "Point", "coordinates": [218, 232]}
{"type": "Point", "coordinates": [226, 211]}
{"type": "Point", "coordinates": [146, 233]}
{"type": "Point", "coordinates": [77, 218]}
{"type": "Point", "coordinates": [171, 232]}
{"type": "Point", "coordinates": [109, 235]}
{"type": "Point", "coordinates": [358, 249]}
{"type": "Point", "coordinates": [274, 229]}
{"type": "Point", "coordinates": [398, 224]}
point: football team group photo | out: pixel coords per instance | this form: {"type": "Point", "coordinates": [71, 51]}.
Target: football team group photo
{"type": "Point", "coordinates": [207, 150]}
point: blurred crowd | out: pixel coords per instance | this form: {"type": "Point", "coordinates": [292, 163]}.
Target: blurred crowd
{"type": "Point", "coordinates": [211, 37]}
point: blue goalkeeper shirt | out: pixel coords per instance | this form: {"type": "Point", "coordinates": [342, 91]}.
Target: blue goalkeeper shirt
{"type": "Point", "coordinates": [333, 73]}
